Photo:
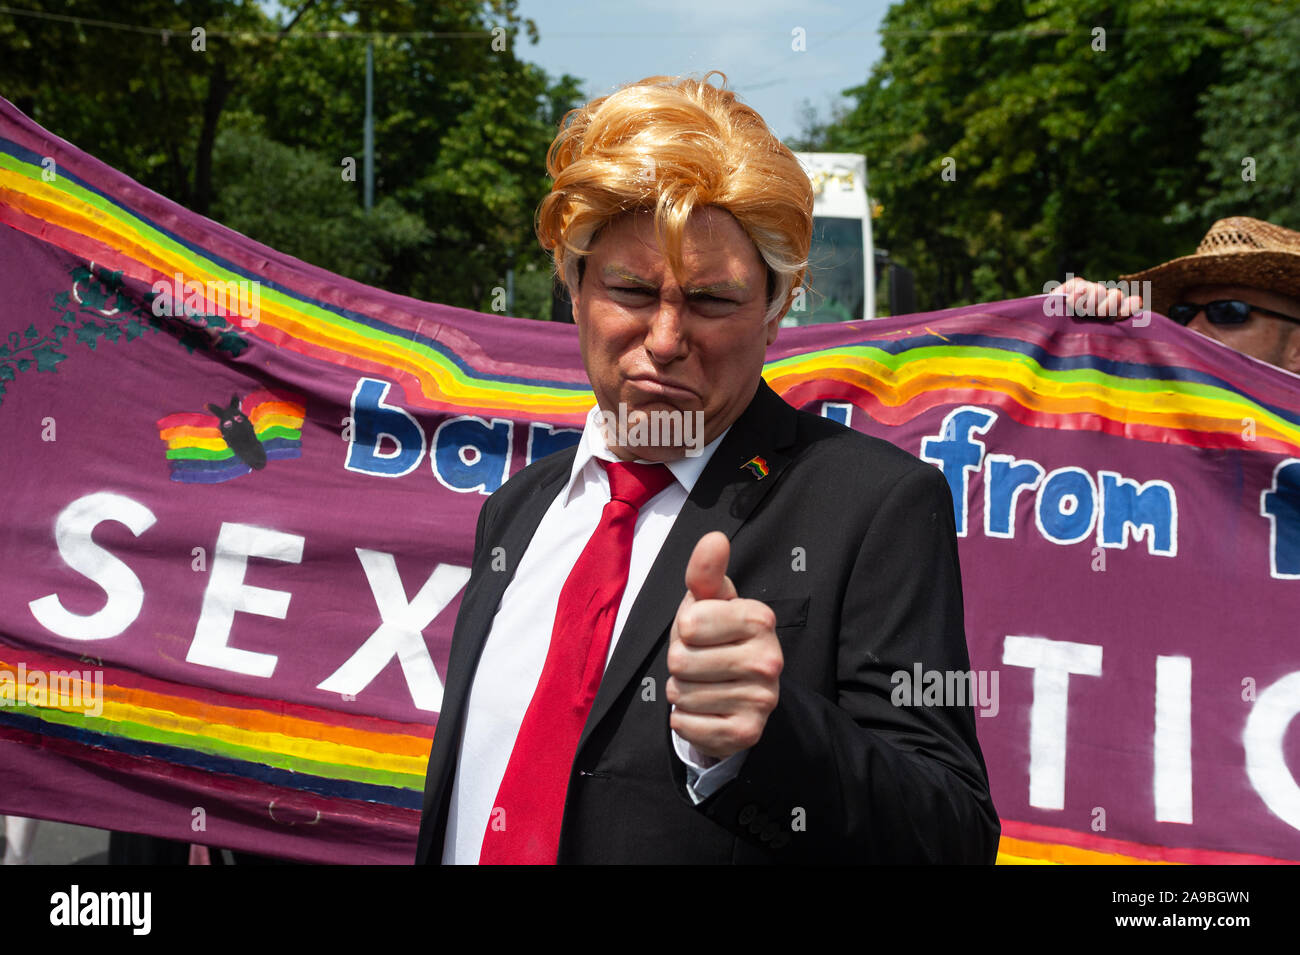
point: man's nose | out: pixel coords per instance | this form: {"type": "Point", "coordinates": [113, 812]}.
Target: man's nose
{"type": "Point", "coordinates": [665, 339]}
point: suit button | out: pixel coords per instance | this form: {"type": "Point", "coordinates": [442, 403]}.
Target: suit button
{"type": "Point", "coordinates": [747, 814]}
{"type": "Point", "coordinates": [781, 840]}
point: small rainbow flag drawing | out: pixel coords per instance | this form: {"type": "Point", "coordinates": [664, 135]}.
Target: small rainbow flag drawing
{"type": "Point", "coordinates": [758, 465]}
{"type": "Point", "coordinates": [198, 454]}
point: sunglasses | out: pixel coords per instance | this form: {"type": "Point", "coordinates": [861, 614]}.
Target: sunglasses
{"type": "Point", "coordinates": [1222, 312]}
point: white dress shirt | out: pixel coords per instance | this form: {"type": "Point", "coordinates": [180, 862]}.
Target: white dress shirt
{"type": "Point", "coordinates": [516, 647]}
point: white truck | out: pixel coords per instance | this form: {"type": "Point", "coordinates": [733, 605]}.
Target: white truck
{"type": "Point", "coordinates": [843, 260]}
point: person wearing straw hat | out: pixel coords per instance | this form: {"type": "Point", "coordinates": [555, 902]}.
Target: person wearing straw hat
{"type": "Point", "coordinates": [1240, 287]}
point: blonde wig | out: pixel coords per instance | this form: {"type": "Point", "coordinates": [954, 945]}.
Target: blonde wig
{"type": "Point", "coordinates": [670, 145]}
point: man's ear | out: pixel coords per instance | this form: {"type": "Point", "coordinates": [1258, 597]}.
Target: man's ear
{"type": "Point", "coordinates": [1291, 352]}
{"type": "Point", "coordinates": [576, 304]}
{"type": "Point", "coordinates": [773, 327]}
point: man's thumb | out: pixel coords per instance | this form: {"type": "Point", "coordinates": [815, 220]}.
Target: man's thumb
{"type": "Point", "coordinates": [706, 572]}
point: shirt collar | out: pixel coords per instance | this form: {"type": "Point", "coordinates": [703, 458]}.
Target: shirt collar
{"type": "Point", "coordinates": [592, 447]}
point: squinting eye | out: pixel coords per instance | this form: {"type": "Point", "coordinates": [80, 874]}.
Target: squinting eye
{"type": "Point", "coordinates": [633, 290]}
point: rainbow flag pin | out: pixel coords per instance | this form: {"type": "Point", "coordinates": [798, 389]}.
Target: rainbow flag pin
{"type": "Point", "coordinates": [758, 465]}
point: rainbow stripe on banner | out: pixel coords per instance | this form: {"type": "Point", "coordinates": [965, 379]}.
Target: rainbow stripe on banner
{"type": "Point", "coordinates": [1027, 844]}
{"type": "Point", "coordinates": [1119, 386]}
{"type": "Point", "coordinates": [284, 747]}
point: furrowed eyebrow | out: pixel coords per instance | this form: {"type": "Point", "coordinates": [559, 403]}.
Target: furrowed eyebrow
{"type": "Point", "coordinates": [627, 275]}
{"type": "Point", "coordinates": [620, 272]}
{"type": "Point", "coordinates": [731, 285]}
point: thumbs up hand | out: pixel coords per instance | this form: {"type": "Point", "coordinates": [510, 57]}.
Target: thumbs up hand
{"type": "Point", "coordinates": [724, 660]}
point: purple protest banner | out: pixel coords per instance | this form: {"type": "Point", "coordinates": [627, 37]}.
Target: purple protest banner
{"type": "Point", "coordinates": [241, 492]}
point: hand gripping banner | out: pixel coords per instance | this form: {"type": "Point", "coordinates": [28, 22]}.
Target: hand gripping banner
{"type": "Point", "coordinates": [240, 496]}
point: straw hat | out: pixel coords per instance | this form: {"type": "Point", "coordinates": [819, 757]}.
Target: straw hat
{"type": "Point", "coordinates": [1236, 251]}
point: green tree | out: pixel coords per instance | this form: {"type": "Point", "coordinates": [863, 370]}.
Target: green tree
{"type": "Point", "coordinates": [1252, 124]}
{"type": "Point", "coordinates": [1011, 141]}
{"type": "Point", "coordinates": [267, 188]}
{"type": "Point", "coordinates": [462, 125]}
{"type": "Point", "coordinates": [147, 103]}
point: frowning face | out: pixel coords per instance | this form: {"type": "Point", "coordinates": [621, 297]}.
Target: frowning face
{"type": "Point", "coordinates": [652, 343]}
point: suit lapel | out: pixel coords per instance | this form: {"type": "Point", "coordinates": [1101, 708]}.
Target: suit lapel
{"type": "Point", "coordinates": [518, 531]}
{"type": "Point", "coordinates": [479, 606]}
{"type": "Point", "coordinates": [723, 498]}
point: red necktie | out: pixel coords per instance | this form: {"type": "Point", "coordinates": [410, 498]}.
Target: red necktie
{"type": "Point", "coordinates": [524, 828]}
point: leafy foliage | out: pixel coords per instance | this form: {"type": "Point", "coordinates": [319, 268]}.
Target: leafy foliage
{"type": "Point", "coordinates": [1067, 156]}
{"type": "Point", "coordinates": [95, 308]}
{"type": "Point", "coordinates": [1255, 113]}
{"type": "Point", "coordinates": [268, 189]}
{"type": "Point", "coordinates": [254, 128]}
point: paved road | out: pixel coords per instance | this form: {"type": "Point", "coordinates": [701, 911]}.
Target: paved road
{"type": "Point", "coordinates": [58, 843]}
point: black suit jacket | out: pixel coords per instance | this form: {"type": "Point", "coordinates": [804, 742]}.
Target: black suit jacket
{"type": "Point", "coordinates": [851, 542]}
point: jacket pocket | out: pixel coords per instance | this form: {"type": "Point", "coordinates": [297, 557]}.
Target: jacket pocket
{"type": "Point", "coordinates": [791, 612]}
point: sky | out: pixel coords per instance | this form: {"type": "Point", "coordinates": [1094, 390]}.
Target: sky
{"type": "Point", "coordinates": [610, 44]}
